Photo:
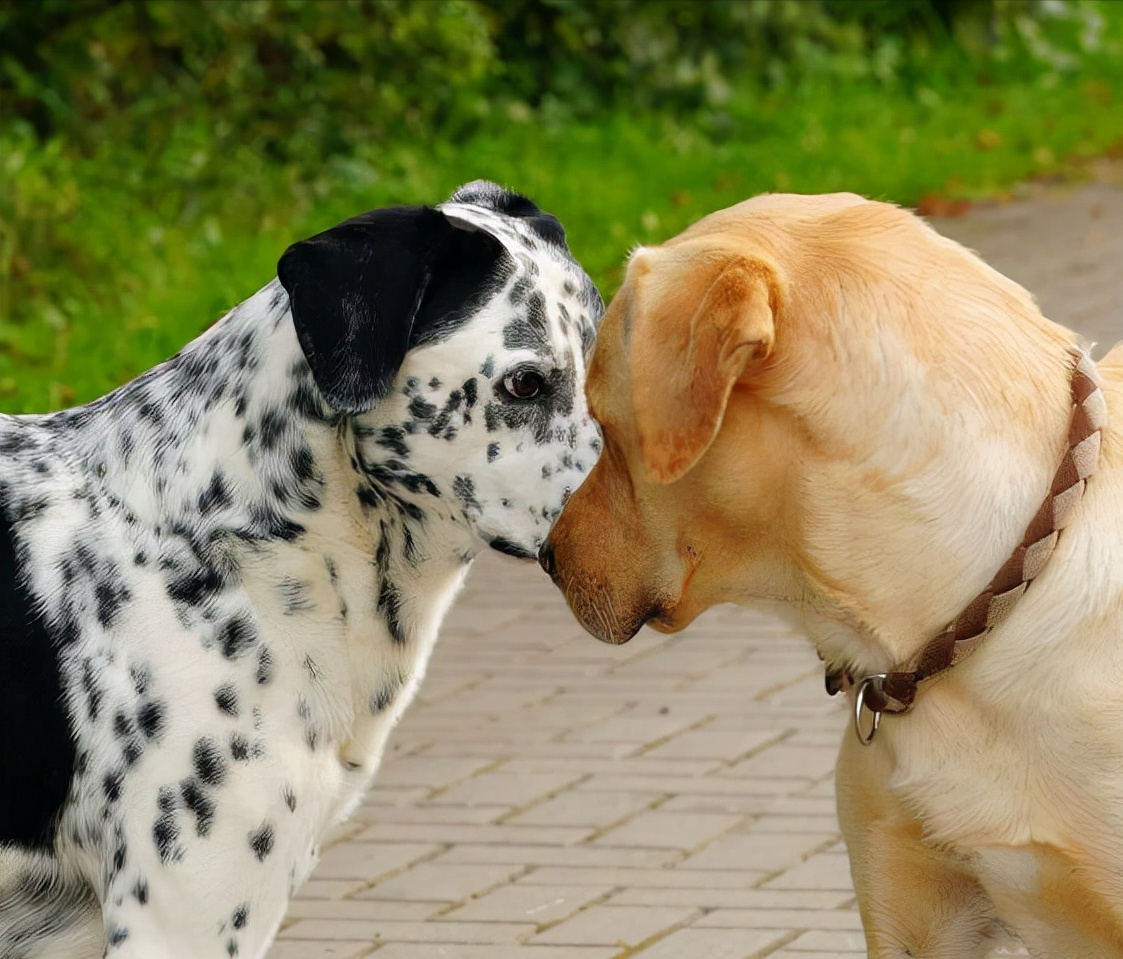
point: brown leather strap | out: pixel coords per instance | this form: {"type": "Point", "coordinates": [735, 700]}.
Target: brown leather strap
{"type": "Point", "coordinates": [895, 691]}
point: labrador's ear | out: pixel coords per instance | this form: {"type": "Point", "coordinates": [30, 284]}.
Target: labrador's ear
{"type": "Point", "coordinates": [364, 292]}
{"type": "Point", "coordinates": [696, 323]}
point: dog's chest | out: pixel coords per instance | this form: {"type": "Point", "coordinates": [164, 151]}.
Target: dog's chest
{"type": "Point", "coordinates": [348, 673]}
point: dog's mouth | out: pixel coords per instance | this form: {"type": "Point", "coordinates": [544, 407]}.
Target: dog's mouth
{"type": "Point", "coordinates": [510, 548]}
{"type": "Point", "coordinates": [601, 617]}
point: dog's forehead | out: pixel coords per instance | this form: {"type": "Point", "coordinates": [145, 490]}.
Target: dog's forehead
{"type": "Point", "coordinates": [523, 241]}
{"type": "Point", "coordinates": [548, 305]}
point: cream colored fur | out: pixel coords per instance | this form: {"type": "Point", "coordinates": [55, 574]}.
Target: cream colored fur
{"type": "Point", "coordinates": [822, 402]}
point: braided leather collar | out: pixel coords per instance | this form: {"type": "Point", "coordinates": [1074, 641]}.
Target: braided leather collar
{"type": "Point", "coordinates": [895, 691]}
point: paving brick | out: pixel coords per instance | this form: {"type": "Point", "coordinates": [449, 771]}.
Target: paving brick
{"type": "Point", "coordinates": [827, 871]}
{"type": "Point", "coordinates": [422, 813]}
{"type": "Point", "coordinates": [443, 882]}
{"type": "Point", "coordinates": [787, 761]}
{"type": "Point", "coordinates": [622, 926]}
{"type": "Point", "coordinates": [766, 901]}
{"type": "Point", "coordinates": [596, 810]}
{"type": "Point", "coordinates": [713, 944]}
{"type": "Point", "coordinates": [846, 920]}
{"type": "Point", "coordinates": [560, 855]}
{"type": "Point", "coordinates": [505, 788]}
{"type": "Point", "coordinates": [669, 830]}
{"type": "Point", "coordinates": [369, 861]}
{"type": "Point", "coordinates": [317, 888]}
{"type": "Point", "coordinates": [764, 852]}
{"type": "Point", "coordinates": [428, 771]}
{"type": "Point", "coordinates": [817, 942]}
{"type": "Point", "coordinates": [320, 949]}
{"type": "Point", "coordinates": [452, 833]}
{"type": "Point", "coordinates": [524, 903]}
{"type": "Point", "coordinates": [374, 931]}
{"type": "Point", "coordinates": [708, 743]}
{"type": "Point", "coordinates": [443, 951]}
{"type": "Point", "coordinates": [366, 909]}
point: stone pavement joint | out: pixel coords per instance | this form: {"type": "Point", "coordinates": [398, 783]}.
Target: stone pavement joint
{"type": "Point", "coordinates": [550, 797]}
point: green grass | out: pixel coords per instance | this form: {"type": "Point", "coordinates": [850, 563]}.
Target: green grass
{"type": "Point", "coordinates": [111, 265]}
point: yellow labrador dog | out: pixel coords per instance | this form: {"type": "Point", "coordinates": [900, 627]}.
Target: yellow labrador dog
{"type": "Point", "coordinates": [819, 401]}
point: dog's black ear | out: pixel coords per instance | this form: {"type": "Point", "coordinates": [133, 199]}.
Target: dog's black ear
{"type": "Point", "coordinates": [492, 196]}
{"type": "Point", "coordinates": [364, 292]}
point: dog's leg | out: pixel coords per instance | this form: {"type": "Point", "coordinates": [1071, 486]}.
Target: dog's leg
{"type": "Point", "coordinates": [915, 901]}
{"type": "Point", "coordinates": [1061, 908]}
{"type": "Point", "coordinates": [43, 913]}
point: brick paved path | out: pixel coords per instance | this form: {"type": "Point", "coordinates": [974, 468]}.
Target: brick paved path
{"type": "Point", "coordinates": [549, 797]}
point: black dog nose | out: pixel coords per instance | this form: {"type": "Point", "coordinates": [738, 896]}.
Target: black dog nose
{"type": "Point", "coordinates": [546, 558]}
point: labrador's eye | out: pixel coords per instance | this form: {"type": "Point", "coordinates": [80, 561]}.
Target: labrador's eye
{"type": "Point", "coordinates": [523, 384]}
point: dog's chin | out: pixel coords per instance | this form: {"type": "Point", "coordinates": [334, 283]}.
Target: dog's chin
{"type": "Point", "coordinates": [614, 630]}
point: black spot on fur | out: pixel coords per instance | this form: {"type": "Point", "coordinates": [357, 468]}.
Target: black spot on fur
{"type": "Point", "coordinates": [465, 490]}
{"type": "Point", "coordinates": [122, 724]}
{"type": "Point", "coordinates": [241, 916]}
{"type": "Point", "coordinates": [290, 798]}
{"type": "Point", "coordinates": [226, 698]}
{"type": "Point", "coordinates": [120, 854]}
{"type": "Point", "coordinates": [311, 733]}
{"type": "Point", "coordinates": [261, 841]}
{"type": "Point", "coordinates": [140, 891]}
{"type": "Point", "coordinates": [112, 783]}
{"type": "Point", "coordinates": [165, 831]}
{"type": "Point", "coordinates": [492, 452]}
{"type": "Point", "coordinates": [239, 747]}
{"type": "Point", "coordinates": [208, 763]}
{"type": "Point", "coordinates": [237, 636]}
{"type": "Point", "coordinates": [231, 947]}
{"type": "Point", "coordinates": [140, 677]}
{"type": "Point", "coordinates": [216, 495]}
{"type": "Point", "coordinates": [196, 586]}
{"type": "Point", "coordinates": [199, 802]}
{"type": "Point", "coordinates": [520, 290]}
{"type": "Point", "coordinates": [132, 751]}
{"type": "Point", "coordinates": [111, 595]}
{"type": "Point", "coordinates": [392, 438]}
{"type": "Point", "coordinates": [382, 697]}
{"type": "Point", "coordinates": [421, 409]}
{"type": "Point", "coordinates": [390, 606]}
{"type": "Point", "coordinates": [271, 428]}
{"type": "Point", "coordinates": [295, 595]}
{"type": "Point", "coordinates": [150, 719]}
{"type": "Point", "coordinates": [264, 666]}
{"type": "Point", "coordinates": [117, 935]}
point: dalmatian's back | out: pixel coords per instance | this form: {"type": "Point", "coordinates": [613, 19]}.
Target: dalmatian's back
{"type": "Point", "coordinates": [221, 584]}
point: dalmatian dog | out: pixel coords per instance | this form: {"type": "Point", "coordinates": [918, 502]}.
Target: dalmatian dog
{"type": "Point", "coordinates": [221, 583]}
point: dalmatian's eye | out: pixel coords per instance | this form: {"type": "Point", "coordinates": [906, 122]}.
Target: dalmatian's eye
{"type": "Point", "coordinates": [524, 384]}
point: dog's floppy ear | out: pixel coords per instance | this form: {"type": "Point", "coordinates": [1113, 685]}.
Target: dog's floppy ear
{"type": "Point", "coordinates": [694, 328]}
{"type": "Point", "coordinates": [364, 292]}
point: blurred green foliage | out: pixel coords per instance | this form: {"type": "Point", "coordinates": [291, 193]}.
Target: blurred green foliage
{"type": "Point", "coordinates": [157, 155]}
{"type": "Point", "coordinates": [303, 81]}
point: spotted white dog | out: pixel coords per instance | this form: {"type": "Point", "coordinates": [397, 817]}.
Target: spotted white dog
{"type": "Point", "coordinates": [220, 584]}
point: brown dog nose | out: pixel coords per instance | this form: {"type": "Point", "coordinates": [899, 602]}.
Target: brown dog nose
{"type": "Point", "coordinates": [546, 558]}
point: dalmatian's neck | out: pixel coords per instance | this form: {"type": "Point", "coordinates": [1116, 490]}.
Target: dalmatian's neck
{"type": "Point", "coordinates": [232, 436]}
{"type": "Point", "coordinates": [251, 500]}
